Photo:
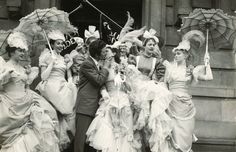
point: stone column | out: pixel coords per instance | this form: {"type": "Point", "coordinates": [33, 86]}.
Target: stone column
{"type": "Point", "coordinates": [183, 7]}
{"type": "Point", "coordinates": [154, 15]}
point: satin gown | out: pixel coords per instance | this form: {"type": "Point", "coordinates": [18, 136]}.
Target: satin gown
{"type": "Point", "coordinates": [181, 109]}
{"type": "Point", "coordinates": [27, 121]}
{"type": "Point", "coordinates": [61, 94]}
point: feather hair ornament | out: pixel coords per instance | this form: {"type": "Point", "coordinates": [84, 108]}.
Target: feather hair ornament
{"type": "Point", "coordinates": [128, 26]}
{"type": "Point", "coordinates": [133, 36]}
{"type": "Point", "coordinates": [195, 35]}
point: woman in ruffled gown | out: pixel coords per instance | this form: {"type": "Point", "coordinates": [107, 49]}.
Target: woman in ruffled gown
{"type": "Point", "coordinates": [181, 109]}
{"type": "Point", "coordinates": [152, 97]}
{"type": "Point", "coordinates": [112, 128]}
{"type": "Point", "coordinates": [27, 121]}
{"type": "Point", "coordinates": [56, 89]}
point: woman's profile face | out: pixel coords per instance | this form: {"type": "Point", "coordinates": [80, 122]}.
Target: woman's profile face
{"type": "Point", "coordinates": [179, 55]}
{"type": "Point", "coordinates": [58, 46]}
{"type": "Point", "coordinates": [109, 53]}
{"type": "Point", "coordinates": [150, 45]}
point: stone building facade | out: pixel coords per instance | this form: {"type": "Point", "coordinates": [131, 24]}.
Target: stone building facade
{"type": "Point", "coordinates": [215, 100]}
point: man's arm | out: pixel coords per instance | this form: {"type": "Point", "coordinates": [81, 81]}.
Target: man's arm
{"type": "Point", "coordinates": [97, 78]}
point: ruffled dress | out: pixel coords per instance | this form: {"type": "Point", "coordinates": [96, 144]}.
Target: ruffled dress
{"type": "Point", "coordinates": [112, 128]}
{"type": "Point", "coordinates": [61, 94]}
{"type": "Point", "coordinates": [152, 99]}
{"type": "Point", "coordinates": [27, 121]}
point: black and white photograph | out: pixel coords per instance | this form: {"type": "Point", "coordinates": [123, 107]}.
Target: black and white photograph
{"type": "Point", "coordinates": [117, 75]}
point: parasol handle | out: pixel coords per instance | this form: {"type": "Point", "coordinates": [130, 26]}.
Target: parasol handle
{"type": "Point", "coordinates": [86, 1]}
{"type": "Point", "coordinates": [49, 45]}
{"type": "Point", "coordinates": [79, 7]}
{"type": "Point", "coordinates": [207, 57]}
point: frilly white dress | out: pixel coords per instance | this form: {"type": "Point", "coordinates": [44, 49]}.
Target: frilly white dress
{"type": "Point", "coordinates": [112, 128]}
{"type": "Point", "coordinates": [27, 121]}
{"type": "Point", "coordinates": [152, 100]}
{"type": "Point", "coordinates": [61, 94]}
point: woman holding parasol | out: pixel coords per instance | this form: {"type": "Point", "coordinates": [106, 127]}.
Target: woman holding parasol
{"type": "Point", "coordinates": [181, 110]}
{"type": "Point", "coordinates": [54, 86]}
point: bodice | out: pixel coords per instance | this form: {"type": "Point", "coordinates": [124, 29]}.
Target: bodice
{"type": "Point", "coordinates": [145, 64]}
{"type": "Point", "coordinates": [59, 67]}
{"type": "Point", "coordinates": [177, 78]}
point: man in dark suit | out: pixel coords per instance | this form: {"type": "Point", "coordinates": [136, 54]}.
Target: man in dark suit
{"type": "Point", "coordinates": [92, 78]}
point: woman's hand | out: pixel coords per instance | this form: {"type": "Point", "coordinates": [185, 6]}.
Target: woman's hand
{"type": "Point", "coordinates": [207, 59]}
{"type": "Point", "coordinates": [8, 70]}
{"type": "Point", "coordinates": [68, 61]}
{"type": "Point", "coordinates": [27, 69]}
{"type": "Point", "coordinates": [156, 52]}
{"type": "Point", "coordinates": [132, 59]}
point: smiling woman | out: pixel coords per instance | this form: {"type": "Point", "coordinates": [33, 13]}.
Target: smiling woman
{"type": "Point", "coordinates": [55, 87]}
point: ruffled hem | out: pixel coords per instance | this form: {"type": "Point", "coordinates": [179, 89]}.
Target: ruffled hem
{"type": "Point", "coordinates": [158, 96]}
{"type": "Point", "coordinates": [161, 128]}
{"type": "Point", "coordinates": [173, 147]}
{"type": "Point", "coordinates": [100, 129]}
{"type": "Point", "coordinates": [142, 117]}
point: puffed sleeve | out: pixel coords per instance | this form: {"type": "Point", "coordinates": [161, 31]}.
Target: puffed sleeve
{"type": "Point", "coordinates": [159, 71]}
{"type": "Point", "coordinates": [45, 58]}
{"type": "Point", "coordinates": [167, 65]}
{"type": "Point", "coordinates": [4, 75]}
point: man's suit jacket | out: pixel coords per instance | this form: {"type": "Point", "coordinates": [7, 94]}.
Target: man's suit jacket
{"type": "Point", "coordinates": [90, 83]}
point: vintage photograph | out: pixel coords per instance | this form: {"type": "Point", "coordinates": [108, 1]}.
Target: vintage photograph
{"type": "Point", "coordinates": [117, 75]}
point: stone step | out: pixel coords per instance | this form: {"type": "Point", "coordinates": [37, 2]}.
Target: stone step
{"type": "Point", "coordinates": [215, 130]}
{"type": "Point", "coordinates": [215, 109]}
{"type": "Point", "coordinates": [213, 148]}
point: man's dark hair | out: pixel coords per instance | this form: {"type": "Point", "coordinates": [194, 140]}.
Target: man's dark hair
{"type": "Point", "coordinates": [95, 48]}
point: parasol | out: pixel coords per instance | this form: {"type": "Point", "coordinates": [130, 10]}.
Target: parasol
{"type": "Point", "coordinates": [218, 26]}
{"type": "Point", "coordinates": [37, 24]}
{"type": "Point", "coordinates": [3, 40]}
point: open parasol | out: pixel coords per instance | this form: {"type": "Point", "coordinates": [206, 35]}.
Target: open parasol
{"type": "Point", "coordinates": [37, 24]}
{"type": "Point", "coordinates": [218, 26]}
